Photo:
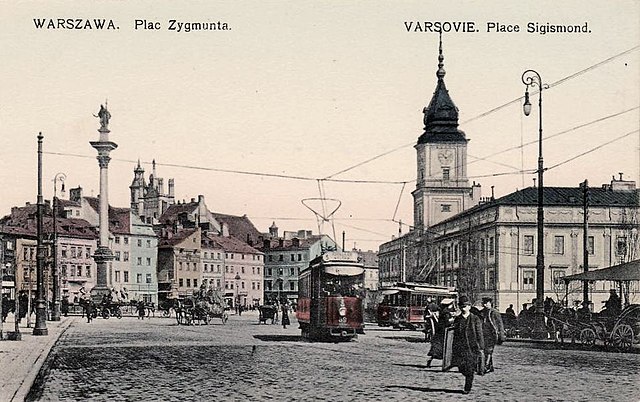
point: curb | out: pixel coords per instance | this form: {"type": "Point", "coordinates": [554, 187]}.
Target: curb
{"type": "Point", "coordinates": [24, 388]}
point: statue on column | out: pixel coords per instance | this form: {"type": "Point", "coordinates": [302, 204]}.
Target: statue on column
{"type": "Point", "coordinates": [104, 116]}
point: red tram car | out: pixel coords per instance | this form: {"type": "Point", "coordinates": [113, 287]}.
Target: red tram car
{"type": "Point", "coordinates": [403, 305]}
{"type": "Point", "coordinates": [330, 293]}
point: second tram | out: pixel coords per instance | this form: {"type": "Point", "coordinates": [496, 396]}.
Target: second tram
{"type": "Point", "coordinates": [330, 293]}
{"type": "Point", "coordinates": [403, 305]}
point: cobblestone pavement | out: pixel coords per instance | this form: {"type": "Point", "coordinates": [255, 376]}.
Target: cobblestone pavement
{"type": "Point", "coordinates": [156, 359]}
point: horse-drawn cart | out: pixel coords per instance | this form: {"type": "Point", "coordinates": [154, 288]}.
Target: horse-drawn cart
{"type": "Point", "coordinates": [199, 310]}
{"type": "Point", "coordinates": [267, 312]}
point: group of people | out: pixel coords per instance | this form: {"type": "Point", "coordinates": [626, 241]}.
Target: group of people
{"type": "Point", "coordinates": [476, 332]}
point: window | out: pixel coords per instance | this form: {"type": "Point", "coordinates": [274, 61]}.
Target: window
{"type": "Point", "coordinates": [590, 245]}
{"type": "Point", "coordinates": [253, 286]}
{"type": "Point", "coordinates": [88, 271]}
{"type": "Point", "coordinates": [87, 252]}
{"type": "Point", "coordinates": [125, 256]}
{"type": "Point", "coordinates": [139, 278]}
{"type": "Point", "coordinates": [528, 245]}
{"type": "Point", "coordinates": [243, 256]}
{"type": "Point", "coordinates": [528, 277]}
{"type": "Point", "coordinates": [558, 245]}
{"type": "Point", "coordinates": [242, 269]}
{"type": "Point", "coordinates": [117, 239]}
{"type": "Point", "coordinates": [206, 267]}
{"type": "Point", "coordinates": [73, 252]}
{"type": "Point", "coordinates": [491, 246]}
{"type": "Point", "coordinates": [445, 173]}
{"type": "Point", "coordinates": [292, 272]}
{"type": "Point", "coordinates": [126, 240]}
{"type": "Point", "coordinates": [270, 258]}
{"type": "Point", "coordinates": [218, 283]}
{"type": "Point", "coordinates": [557, 275]}
{"type": "Point", "coordinates": [180, 282]}
{"type": "Point", "coordinates": [117, 256]}
{"type": "Point", "coordinates": [117, 276]}
{"type": "Point", "coordinates": [299, 257]}
{"type": "Point", "coordinates": [281, 257]}
{"type": "Point", "coordinates": [218, 268]}
{"type": "Point", "coordinates": [63, 252]}
{"type": "Point", "coordinates": [126, 276]}
{"type": "Point", "coordinates": [621, 246]}
{"type": "Point", "coordinates": [148, 243]}
{"type": "Point", "coordinates": [258, 285]}
{"type": "Point", "coordinates": [455, 254]}
{"type": "Point", "coordinates": [139, 260]}
{"type": "Point", "coordinates": [242, 284]}
{"type": "Point", "coordinates": [445, 207]}
{"type": "Point", "coordinates": [148, 261]}
{"type": "Point", "coordinates": [293, 257]}
{"type": "Point", "coordinates": [139, 242]}
{"type": "Point", "coordinates": [188, 282]}
{"type": "Point", "coordinates": [64, 271]}
{"type": "Point", "coordinates": [258, 270]}
{"type": "Point", "coordinates": [292, 285]}
{"type": "Point", "coordinates": [195, 283]}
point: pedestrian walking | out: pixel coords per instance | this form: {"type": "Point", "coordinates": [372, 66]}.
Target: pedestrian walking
{"type": "Point", "coordinates": [492, 330]}
{"type": "Point", "coordinates": [64, 308]}
{"type": "Point", "coordinates": [444, 319]}
{"type": "Point", "coordinates": [141, 310]}
{"type": "Point", "coordinates": [468, 343]}
{"type": "Point", "coordinates": [285, 316]}
{"type": "Point", "coordinates": [89, 307]}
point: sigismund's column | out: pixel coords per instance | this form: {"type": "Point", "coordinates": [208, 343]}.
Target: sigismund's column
{"type": "Point", "coordinates": [103, 253]}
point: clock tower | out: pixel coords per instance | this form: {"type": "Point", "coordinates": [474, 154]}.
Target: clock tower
{"type": "Point", "coordinates": [442, 187]}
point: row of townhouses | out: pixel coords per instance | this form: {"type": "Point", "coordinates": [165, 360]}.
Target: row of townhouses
{"type": "Point", "coordinates": [162, 249]}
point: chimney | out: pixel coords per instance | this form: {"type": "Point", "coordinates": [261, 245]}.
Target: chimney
{"type": "Point", "coordinates": [280, 242]}
{"type": "Point", "coordinates": [249, 239]}
{"type": "Point", "coordinates": [295, 242]}
{"type": "Point", "coordinates": [267, 244]}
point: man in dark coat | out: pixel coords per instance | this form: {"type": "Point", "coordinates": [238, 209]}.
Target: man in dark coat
{"type": "Point", "coordinates": [468, 342]}
{"type": "Point", "coordinates": [492, 330]}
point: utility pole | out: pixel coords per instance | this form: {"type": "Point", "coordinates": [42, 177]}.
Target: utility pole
{"type": "Point", "coordinates": [585, 238]}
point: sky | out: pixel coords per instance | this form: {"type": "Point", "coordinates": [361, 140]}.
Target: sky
{"type": "Point", "coordinates": [255, 117]}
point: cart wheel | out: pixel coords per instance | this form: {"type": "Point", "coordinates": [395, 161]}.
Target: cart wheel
{"type": "Point", "coordinates": [622, 336]}
{"type": "Point", "coordinates": [119, 314]}
{"type": "Point", "coordinates": [588, 337]}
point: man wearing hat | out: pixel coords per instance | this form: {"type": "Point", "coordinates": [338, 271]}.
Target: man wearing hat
{"type": "Point", "coordinates": [468, 342]}
{"type": "Point", "coordinates": [492, 330]}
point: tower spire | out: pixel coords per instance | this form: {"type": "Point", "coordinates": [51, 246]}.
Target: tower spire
{"type": "Point", "coordinates": [441, 72]}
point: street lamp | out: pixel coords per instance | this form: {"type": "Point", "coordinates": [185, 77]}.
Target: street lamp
{"type": "Point", "coordinates": [55, 314]}
{"type": "Point", "coordinates": [41, 307]}
{"type": "Point", "coordinates": [532, 78]}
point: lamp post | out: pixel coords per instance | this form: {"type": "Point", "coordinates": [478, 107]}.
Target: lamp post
{"type": "Point", "coordinates": [41, 308]}
{"type": "Point", "coordinates": [532, 78]}
{"type": "Point", "coordinates": [55, 274]}
{"type": "Point", "coordinates": [237, 301]}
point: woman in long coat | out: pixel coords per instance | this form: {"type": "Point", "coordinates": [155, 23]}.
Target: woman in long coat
{"type": "Point", "coordinates": [285, 315]}
{"type": "Point", "coordinates": [468, 342]}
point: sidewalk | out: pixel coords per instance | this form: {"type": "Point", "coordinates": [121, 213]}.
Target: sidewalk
{"type": "Point", "coordinates": [20, 361]}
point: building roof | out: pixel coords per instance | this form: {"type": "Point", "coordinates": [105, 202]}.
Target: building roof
{"type": "Point", "coordinates": [441, 116]}
{"type": "Point", "coordinates": [176, 238]}
{"type": "Point", "coordinates": [288, 244]}
{"type": "Point", "coordinates": [231, 244]}
{"type": "Point", "coordinates": [23, 222]}
{"type": "Point", "coordinates": [629, 271]}
{"type": "Point", "coordinates": [558, 196]}
{"type": "Point", "coordinates": [119, 218]}
{"type": "Point", "coordinates": [172, 212]}
{"type": "Point", "coordinates": [369, 258]}
{"type": "Point", "coordinates": [239, 227]}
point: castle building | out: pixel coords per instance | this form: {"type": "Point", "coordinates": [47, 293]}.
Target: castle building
{"type": "Point", "coordinates": [149, 200]}
{"type": "Point", "coordinates": [442, 187]}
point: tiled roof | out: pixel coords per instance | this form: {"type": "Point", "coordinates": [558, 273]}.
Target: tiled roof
{"type": "Point", "coordinates": [176, 238]}
{"type": "Point", "coordinates": [232, 244]}
{"type": "Point", "coordinates": [239, 227]}
{"type": "Point", "coordinates": [170, 216]}
{"type": "Point", "coordinates": [23, 222]}
{"type": "Point", "coordinates": [119, 218]}
{"type": "Point", "coordinates": [274, 244]}
{"type": "Point", "coordinates": [559, 196]}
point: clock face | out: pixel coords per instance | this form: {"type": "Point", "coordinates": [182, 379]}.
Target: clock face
{"type": "Point", "coordinates": [445, 157]}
